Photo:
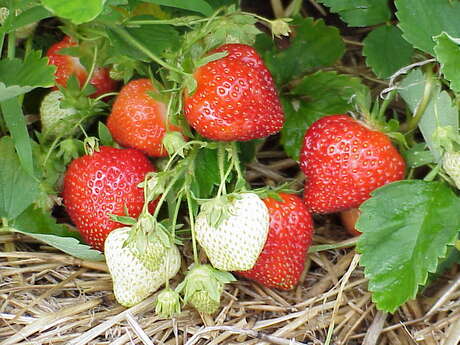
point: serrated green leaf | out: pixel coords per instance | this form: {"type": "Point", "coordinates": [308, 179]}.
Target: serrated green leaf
{"type": "Point", "coordinates": [448, 54]}
{"type": "Point", "coordinates": [199, 6]}
{"type": "Point", "coordinates": [18, 77]}
{"type": "Point", "coordinates": [439, 112]}
{"type": "Point", "coordinates": [360, 12]}
{"type": "Point", "coordinates": [17, 188]}
{"type": "Point", "coordinates": [156, 38]}
{"type": "Point", "coordinates": [16, 123]}
{"type": "Point", "coordinates": [420, 20]}
{"type": "Point", "coordinates": [43, 227]}
{"type": "Point", "coordinates": [314, 45]}
{"type": "Point", "coordinates": [317, 95]}
{"type": "Point", "coordinates": [386, 51]}
{"type": "Point", "coordinates": [78, 11]}
{"type": "Point", "coordinates": [406, 227]}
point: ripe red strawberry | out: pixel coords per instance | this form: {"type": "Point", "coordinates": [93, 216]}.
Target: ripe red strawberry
{"type": "Point", "coordinates": [139, 121]}
{"type": "Point", "coordinates": [344, 161]}
{"type": "Point", "coordinates": [235, 98]}
{"type": "Point", "coordinates": [69, 65]}
{"type": "Point", "coordinates": [104, 183]}
{"type": "Point", "coordinates": [289, 236]}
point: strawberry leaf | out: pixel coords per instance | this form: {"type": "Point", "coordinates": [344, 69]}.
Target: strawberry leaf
{"type": "Point", "coordinates": [314, 45]}
{"type": "Point", "coordinates": [420, 20]}
{"type": "Point", "coordinates": [206, 172]}
{"type": "Point", "coordinates": [309, 104]}
{"type": "Point", "coordinates": [386, 51]}
{"type": "Point", "coordinates": [42, 226]}
{"type": "Point", "coordinates": [199, 6]}
{"type": "Point", "coordinates": [360, 12]}
{"type": "Point", "coordinates": [19, 77]}
{"type": "Point", "coordinates": [448, 54]}
{"type": "Point", "coordinates": [78, 11]}
{"type": "Point", "coordinates": [439, 112]}
{"type": "Point", "coordinates": [17, 188]}
{"type": "Point", "coordinates": [406, 227]}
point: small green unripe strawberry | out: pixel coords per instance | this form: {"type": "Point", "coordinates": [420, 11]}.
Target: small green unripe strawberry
{"type": "Point", "coordinates": [56, 121]}
{"type": "Point", "coordinates": [451, 164]}
{"type": "Point", "coordinates": [203, 286]}
{"type": "Point", "coordinates": [167, 303]}
{"type": "Point", "coordinates": [132, 280]}
{"type": "Point", "coordinates": [232, 230]}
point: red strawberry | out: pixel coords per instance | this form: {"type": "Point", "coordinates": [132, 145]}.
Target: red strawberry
{"type": "Point", "coordinates": [69, 65]}
{"type": "Point", "coordinates": [283, 257]}
{"type": "Point", "coordinates": [104, 183]}
{"type": "Point", "coordinates": [139, 121]}
{"type": "Point", "coordinates": [235, 98]}
{"type": "Point", "coordinates": [344, 161]}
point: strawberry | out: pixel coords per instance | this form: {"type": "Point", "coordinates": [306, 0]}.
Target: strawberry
{"type": "Point", "coordinates": [132, 280]}
{"type": "Point", "coordinates": [451, 164]}
{"type": "Point", "coordinates": [235, 97]}
{"type": "Point", "coordinates": [290, 234]}
{"type": "Point", "coordinates": [55, 119]}
{"type": "Point", "coordinates": [349, 219]}
{"type": "Point", "coordinates": [67, 65]}
{"type": "Point", "coordinates": [104, 183]}
{"type": "Point", "coordinates": [202, 287]}
{"type": "Point", "coordinates": [138, 120]}
{"type": "Point", "coordinates": [233, 229]}
{"type": "Point", "coordinates": [344, 161]}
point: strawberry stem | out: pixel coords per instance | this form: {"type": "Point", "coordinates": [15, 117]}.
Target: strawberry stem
{"type": "Point", "coordinates": [192, 226]}
{"type": "Point", "coordinates": [221, 162]}
{"type": "Point", "coordinates": [93, 67]}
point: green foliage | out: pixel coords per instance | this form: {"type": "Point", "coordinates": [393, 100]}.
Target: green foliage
{"type": "Point", "coordinates": [314, 45]}
{"type": "Point", "coordinates": [42, 226]}
{"type": "Point", "coordinates": [78, 11]}
{"type": "Point", "coordinates": [317, 95]}
{"type": "Point", "coordinates": [439, 111]}
{"type": "Point", "coordinates": [448, 54]}
{"type": "Point", "coordinates": [17, 188]}
{"type": "Point", "coordinates": [406, 227]}
{"type": "Point", "coordinates": [386, 51]}
{"type": "Point", "coordinates": [360, 12]}
{"type": "Point", "coordinates": [206, 172]}
{"type": "Point", "coordinates": [27, 17]}
{"type": "Point", "coordinates": [199, 6]}
{"type": "Point", "coordinates": [420, 20]}
{"type": "Point", "coordinates": [21, 76]}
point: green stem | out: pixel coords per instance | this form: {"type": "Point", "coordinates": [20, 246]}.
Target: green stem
{"type": "Point", "coordinates": [386, 102]}
{"type": "Point", "coordinates": [2, 41]}
{"type": "Point", "coordinates": [130, 39]}
{"type": "Point", "coordinates": [192, 226]}
{"type": "Point", "coordinates": [427, 93]}
{"type": "Point", "coordinates": [432, 174]}
{"type": "Point", "coordinates": [174, 22]}
{"type": "Point", "coordinates": [93, 67]}
{"type": "Point", "coordinates": [178, 175]}
{"type": "Point", "coordinates": [237, 163]}
{"type": "Point", "coordinates": [11, 46]}
{"type": "Point", "coordinates": [221, 163]}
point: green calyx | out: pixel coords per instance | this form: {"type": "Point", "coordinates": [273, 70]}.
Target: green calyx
{"type": "Point", "coordinates": [148, 241]}
{"type": "Point", "coordinates": [168, 303]}
{"type": "Point", "coordinates": [447, 138]}
{"type": "Point", "coordinates": [203, 286]}
{"type": "Point", "coordinates": [217, 210]}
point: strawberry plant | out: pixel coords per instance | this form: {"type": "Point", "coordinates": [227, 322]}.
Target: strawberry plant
{"type": "Point", "coordinates": [128, 129]}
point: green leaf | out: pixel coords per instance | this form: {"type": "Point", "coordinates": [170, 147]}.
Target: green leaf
{"type": "Point", "coordinates": [78, 11]}
{"type": "Point", "coordinates": [42, 226]}
{"type": "Point", "coordinates": [418, 156]}
{"type": "Point", "coordinates": [386, 51]}
{"type": "Point", "coordinates": [420, 20]}
{"type": "Point", "coordinates": [406, 227]}
{"type": "Point", "coordinates": [448, 54]}
{"type": "Point", "coordinates": [206, 172]}
{"type": "Point", "coordinates": [199, 6]}
{"type": "Point", "coordinates": [18, 77]}
{"type": "Point", "coordinates": [156, 38]}
{"type": "Point", "coordinates": [439, 112]}
{"type": "Point", "coordinates": [314, 45]}
{"type": "Point", "coordinates": [104, 135]}
{"type": "Point", "coordinates": [16, 123]}
{"type": "Point", "coordinates": [29, 16]}
{"type": "Point", "coordinates": [360, 12]}
{"type": "Point", "coordinates": [317, 95]}
{"type": "Point", "coordinates": [17, 188]}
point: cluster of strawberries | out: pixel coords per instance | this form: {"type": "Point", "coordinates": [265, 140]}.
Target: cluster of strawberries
{"type": "Point", "coordinates": [264, 239]}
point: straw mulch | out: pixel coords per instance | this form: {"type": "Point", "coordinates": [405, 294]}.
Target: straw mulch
{"type": "Point", "coordinates": [47, 297]}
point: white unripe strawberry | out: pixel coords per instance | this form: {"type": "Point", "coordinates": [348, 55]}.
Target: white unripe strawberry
{"type": "Point", "coordinates": [232, 230]}
{"type": "Point", "coordinates": [451, 164]}
{"type": "Point", "coordinates": [56, 121]}
{"type": "Point", "coordinates": [132, 280]}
